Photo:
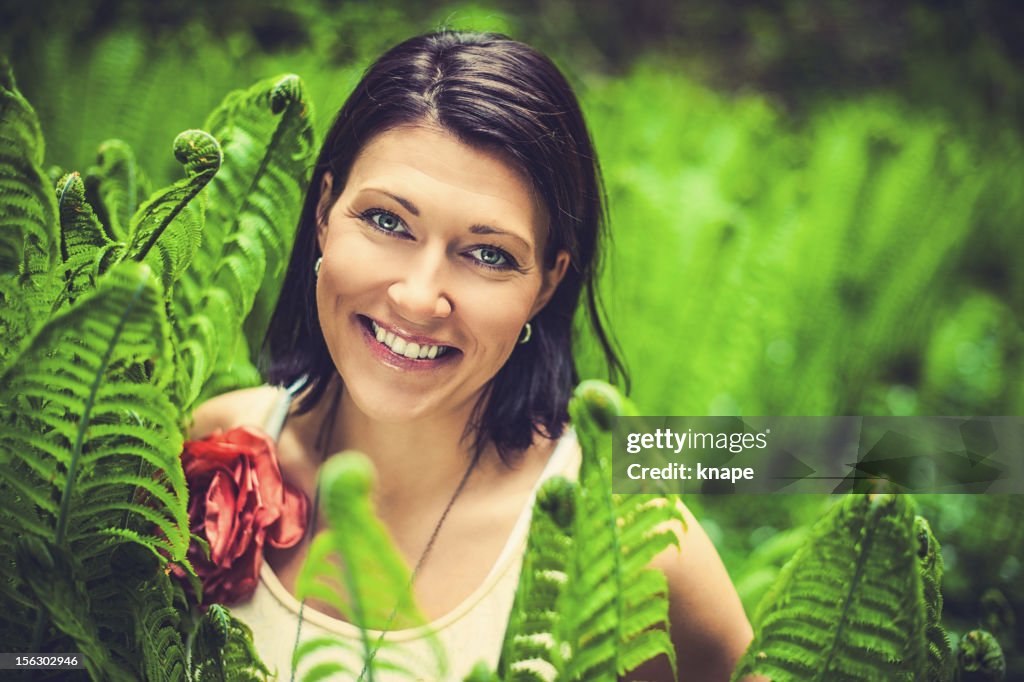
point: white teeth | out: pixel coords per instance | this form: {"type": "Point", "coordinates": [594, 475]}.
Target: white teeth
{"type": "Point", "coordinates": [408, 349]}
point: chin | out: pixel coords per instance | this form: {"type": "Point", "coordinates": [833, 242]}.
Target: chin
{"type": "Point", "coordinates": [392, 407]}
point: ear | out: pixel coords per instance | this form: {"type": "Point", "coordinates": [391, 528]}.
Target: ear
{"type": "Point", "coordinates": [323, 208]}
{"type": "Point", "coordinates": [552, 278]}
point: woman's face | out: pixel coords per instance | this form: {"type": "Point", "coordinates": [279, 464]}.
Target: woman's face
{"type": "Point", "coordinates": [432, 265]}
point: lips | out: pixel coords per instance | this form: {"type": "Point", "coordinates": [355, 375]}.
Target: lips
{"type": "Point", "coordinates": [418, 349]}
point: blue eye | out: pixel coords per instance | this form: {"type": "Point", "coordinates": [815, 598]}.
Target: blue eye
{"type": "Point", "coordinates": [492, 257]}
{"type": "Point", "coordinates": [385, 221]}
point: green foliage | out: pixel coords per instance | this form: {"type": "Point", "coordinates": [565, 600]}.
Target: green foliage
{"type": "Point", "coordinates": [862, 600]}
{"type": "Point", "coordinates": [222, 650]}
{"type": "Point", "coordinates": [588, 607]}
{"type": "Point", "coordinates": [267, 136]}
{"type": "Point", "coordinates": [28, 226]}
{"type": "Point", "coordinates": [807, 269]}
{"type": "Point", "coordinates": [980, 658]}
{"type": "Point", "coordinates": [535, 615]}
{"type": "Point", "coordinates": [99, 294]}
{"type": "Point", "coordinates": [850, 604]}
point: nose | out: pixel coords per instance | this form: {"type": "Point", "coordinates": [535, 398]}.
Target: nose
{"type": "Point", "coordinates": [418, 294]}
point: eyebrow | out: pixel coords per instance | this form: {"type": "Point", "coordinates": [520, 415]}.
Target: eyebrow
{"type": "Point", "coordinates": [475, 229]}
{"type": "Point", "coordinates": [408, 205]}
{"type": "Point", "coordinates": [487, 229]}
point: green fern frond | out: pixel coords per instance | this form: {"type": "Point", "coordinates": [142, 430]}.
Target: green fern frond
{"type": "Point", "coordinates": [201, 156]}
{"type": "Point", "coordinates": [223, 650]}
{"type": "Point", "coordinates": [28, 219]}
{"type": "Point", "coordinates": [533, 619]}
{"type": "Point", "coordinates": [114, 186]}
{"type": "Point", "coordinates": [588, 606]}
{"type": "Point", "coordinates": [980, 658]}
{"type": "Point", "coordinates": [61, 405]}
{"type": "Point", "coordinates": [157, 606]}
{"type": "Point", "coordinates": [85, 248]}
{"type": "Point", "coordinates": [619, 609]}
{"type": "Point", "coordinates": [849, 605]}
{"type": "Point", "coordinates": [941, 665]}
{"type": "Point", "coordinates": [28, 228]}
{"type": "Point", "coordinates": [333, 665]}
{"type": "Point", "coordinates": [55, 578]}
{"type": "Point", "coordinates": [267, 137]}
{"type": "Point", "coordinates": [355, 568]}
{"type": "Point", "coordinates": [83, 446]}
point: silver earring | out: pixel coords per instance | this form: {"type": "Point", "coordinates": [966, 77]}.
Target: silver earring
{"type": "Point", "coordinates": [316, 266]}
{"type": "Point", "coordinates": [527, 333]}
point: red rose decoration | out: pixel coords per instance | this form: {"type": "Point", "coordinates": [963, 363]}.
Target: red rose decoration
{"type": "Point", "coordinates": [238, 501]}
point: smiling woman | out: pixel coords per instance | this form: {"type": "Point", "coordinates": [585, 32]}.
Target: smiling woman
{"type": "Point", "coordinates": [436, 247]}
{"type": "Point", "coordinates": [450, 232]}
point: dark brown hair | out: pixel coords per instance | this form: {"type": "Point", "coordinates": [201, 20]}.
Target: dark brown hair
{"type": "Point", "coordinates": [500, 95]}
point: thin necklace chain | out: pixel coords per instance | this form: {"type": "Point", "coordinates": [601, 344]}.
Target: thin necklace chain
{"type": "Point", "coordinates": [323, 442]}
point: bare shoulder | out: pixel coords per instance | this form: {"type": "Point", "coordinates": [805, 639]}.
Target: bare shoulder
{"type": "Point", "coordinates": [245, 407]}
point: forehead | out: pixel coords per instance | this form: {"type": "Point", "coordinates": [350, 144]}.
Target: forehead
{"type": "Point", "coordinates": [430, 166]}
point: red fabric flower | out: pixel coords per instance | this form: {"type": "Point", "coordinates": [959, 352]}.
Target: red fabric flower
{"type": "Point", "coordinates": [237, 501]}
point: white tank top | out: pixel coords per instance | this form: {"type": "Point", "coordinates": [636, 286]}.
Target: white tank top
{"type": "Point", "coordinates": [473, 631]}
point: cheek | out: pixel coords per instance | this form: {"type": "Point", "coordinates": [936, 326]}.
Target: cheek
{"type": "Point", "coordinates": [498, 314]}
{"type": "Point", "coordinates": [350, 264]}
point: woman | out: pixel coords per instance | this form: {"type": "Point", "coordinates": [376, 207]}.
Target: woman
{"type": "Point", "coordinates": [450, 230]}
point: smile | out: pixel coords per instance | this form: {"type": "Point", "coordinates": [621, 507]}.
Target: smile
{"type": "Point", "coordinates": [406, 348]}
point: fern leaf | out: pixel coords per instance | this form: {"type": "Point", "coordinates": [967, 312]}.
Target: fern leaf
{"type": "Point", "coordinates": [55, 578]}
{"type": "Point", "coordinates": [223, 649]}
{"type": "Point", "coordinates": [156, 605]}
{"type": "Point", "coordinates": [85, 248]}
{"type": "Point", "coordinates": [267, 136]}
{"type": "Point", "coordinates": [980, 658]}
{"type": "Point", "coordinates": [60, 400]}
{"type": "Point", "coordinates": [267, 133]}
{"type": "Point", "coordinates": [201, 156]}
{"type": "Point", "coordinates": [941, 665]}
{"type": "Point", "coordinates": [329, 665]}
{"type": "Point", "coordinates": [28, 219]}
{"type": "Point", "coordinates": [533, 619]}
{"type": "Point", "coordinates": [849, 605]}
{"type": "Point", "coordinates": [113, 187]}
{"type": "Point", "coordinates": [614, 605]}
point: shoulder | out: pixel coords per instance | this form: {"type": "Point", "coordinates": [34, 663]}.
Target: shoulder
{"type": "Point", "coordinates": [245, 407]}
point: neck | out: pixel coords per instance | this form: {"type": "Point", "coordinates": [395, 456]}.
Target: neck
{"type": "Point", "coordinates": [419, 463]}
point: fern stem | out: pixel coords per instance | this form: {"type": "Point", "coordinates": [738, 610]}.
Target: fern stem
{"type": "Point", "coordinates": [60, 209]}
{"type": "Point", "coordinates": [275, 141]}
{"type": "Point", "coordinates": [868, 541]}
{"type": "Point", "coordinates": [159, 230]}
{"type": "Point", "coordinates": [358, 612]}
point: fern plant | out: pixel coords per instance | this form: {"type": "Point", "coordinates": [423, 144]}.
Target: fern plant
{"type": "Point", "coordinates": [861, 600]}
{"type": "Point", "coordinates": [99, 296]}
{"type": "Point", "coordinates": [588, 607]}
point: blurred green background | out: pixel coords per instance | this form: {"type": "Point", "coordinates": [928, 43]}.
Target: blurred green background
{"type": "Point", "coordinates": [816, 207]}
